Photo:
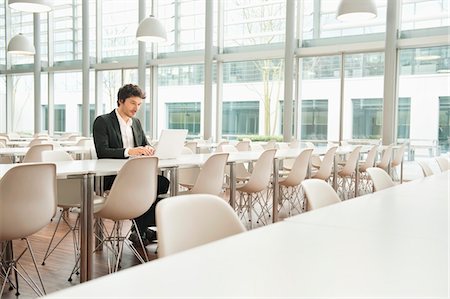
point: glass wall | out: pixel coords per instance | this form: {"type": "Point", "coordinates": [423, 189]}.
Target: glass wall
{"type": "Point", "coordinates": [22, 103]}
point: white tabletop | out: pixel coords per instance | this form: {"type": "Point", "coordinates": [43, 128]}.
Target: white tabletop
{"type": "Point", "coordinates": [340, 251]}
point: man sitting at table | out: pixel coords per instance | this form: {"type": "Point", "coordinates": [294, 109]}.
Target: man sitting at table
{"type": "Point", "coordinates": [119, 135]}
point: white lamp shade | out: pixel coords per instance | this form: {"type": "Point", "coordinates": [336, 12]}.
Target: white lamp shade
{"type": "Point", "coordinates": [19, 44]}
{"type": "Point", "coordinates": [151, 30]}
{"type": "Point", "coordinates": [31, 5]}
{"type": "Point", "coordinates": [356, 10]}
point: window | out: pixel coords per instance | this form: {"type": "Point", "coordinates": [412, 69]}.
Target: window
{"type": "Point", "coordinates": [3, 114]}
{"type": "Point", "coordinates": [314, 120]}
{"type": "Point", "coordinates": [60, 118]}
{"type": "Point", "coordinates": [184, 116]}
{"type": "Point", "coordinates": [368, 115]}
{"type": "Point", "coordinates": [240, 118]}
{"type": "Point", "coordinates": [444, 123]}
{"type": "Point", "coordinates": [420, 14]}
{"type": "Point", "coordinates": [22, 104]}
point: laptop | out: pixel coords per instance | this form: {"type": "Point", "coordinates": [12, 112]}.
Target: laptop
{"type": "Point", "coordinates": [170, 144]}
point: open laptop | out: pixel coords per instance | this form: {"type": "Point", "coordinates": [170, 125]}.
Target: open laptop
{"type": "Point", "coordinates": [170, 144]}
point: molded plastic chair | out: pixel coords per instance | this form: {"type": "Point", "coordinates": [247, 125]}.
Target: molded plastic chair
{"type": "Point", "coordinates": [443, 163]}
{"type": "Point", "coordinates": [241, 173]}
{"type": "Point", "coordinates": [347, 175]}
{"type": "Point", "coordinates": [290, 191]}
{"type": "Point", "coordinates": [34, 154]}
{"type": "Point", "coordinates": [426, 169]}
{"type": "Point", "coordinates": [250, 193]}
{"type": "Point", "coordinates": [187, 176]}
{"type": "Point", "coordinates": [28, 202]}
{"type": "Point", "coordinates": [319, 194]}
{"type": "Point", "coordinates": [385, 158]}
{"type": "Point", "coordinates": [131, 195]}
{"type": "Point", "coordinates": [192, 145]}
{"type": "Point", "coordinates": [243, 146]}
{"type": "Point", "coordinates": [187, 221]}
{"type": "Point", "coordinates": [326, 166]}
{"type": "Point", "coordinates": [365, 182]}
{"type": "Point", "coordinates": [211, 175]}
{"type": "Point", "coordinates": [68, 197]}
{"type": "Point", "coordinates": [397, 161]}
{"type": "Point", "coordinates": [380, 178]}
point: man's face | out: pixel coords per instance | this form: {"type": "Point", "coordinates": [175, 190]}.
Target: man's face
{"type": "Point", "coordinates": [130, 106]}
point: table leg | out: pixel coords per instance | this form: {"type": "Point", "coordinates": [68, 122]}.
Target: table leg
{"type": "Point", "coordinates": [232, 185]}
{"type": "Point", "coordinates": [173, 181]}
{"type": "Point", "coordinates": [86, 246]}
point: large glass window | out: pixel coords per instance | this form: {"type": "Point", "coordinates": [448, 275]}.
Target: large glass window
{"type": "Point", "coordinates": [119, 27]}
{"type": "Point", "coordinates": [3, 113]}
{"type": "Point", "coordinates": [420, 14]}
{"type": "Point", "coordinates": [178, 87]}
{"type": "Point", "coordinates": [444, 123]}
{"type": "Point", "coordinates": [425, 80]}
{"type": "Point", "coordinates": [184, 116]}
{"type": "Point", "coordinates": [2, 36]}
{"type": "Point", "coordinates": [260, 81]}
{"type": "Point", "coordinates": [254, 22]}
{"type": "Point", "coordinates": [185, 24]}
{"type": "Point", "coordinates": [22, 104]}
{"type": "Point", "coordinates": [314, 120]}
{"type": "Point", "coordinates": [240, 118]}
{"type": "Point", "coordinates": [68, 92]}
{"type": "Point", "coordinates": [60, 118]}
{"type": "Point", "coordinates": [368, 115]}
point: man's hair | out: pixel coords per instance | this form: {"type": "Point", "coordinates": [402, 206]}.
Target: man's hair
{"type": "Point", "coordinates": [127, 91]}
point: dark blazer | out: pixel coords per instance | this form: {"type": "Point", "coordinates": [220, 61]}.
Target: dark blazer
{"type": "Point", "coordinates": [108, 139]}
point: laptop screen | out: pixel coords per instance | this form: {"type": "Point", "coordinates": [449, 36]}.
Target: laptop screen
{"type": "Point", "coordinates": [170, 144]}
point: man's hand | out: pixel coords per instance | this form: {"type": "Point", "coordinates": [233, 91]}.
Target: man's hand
{"type": "Point", "coordinates": [141, 151]}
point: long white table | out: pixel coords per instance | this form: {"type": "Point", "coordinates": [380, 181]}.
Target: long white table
{"type": "Point", "coordinates": [310, 257]}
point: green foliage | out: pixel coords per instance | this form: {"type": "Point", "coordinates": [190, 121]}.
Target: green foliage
{"type": "Point", "coordinates": [277, 138]}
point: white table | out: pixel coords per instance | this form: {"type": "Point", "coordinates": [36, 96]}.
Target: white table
{"type": "Point", "coordinates": [309, 258]}
{"type": "Point", "coordinates": [16, 152]}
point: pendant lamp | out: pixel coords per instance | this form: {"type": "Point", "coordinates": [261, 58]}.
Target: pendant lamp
{"type": "Point", "coordinates": [356, 10]}
{"type": "Point", "coordinates": [21, 45]}
{"type": "Point", "coordinates": [31, 5]}
{"type": "Point", "coordinates": [150, 29]}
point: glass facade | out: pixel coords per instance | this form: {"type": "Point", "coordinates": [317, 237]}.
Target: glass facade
{"type": "Point", "coordinates": [339, 68]}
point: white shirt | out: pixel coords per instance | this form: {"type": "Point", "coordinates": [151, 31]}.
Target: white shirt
{"type": "Point", "coordinates": [126, 132]}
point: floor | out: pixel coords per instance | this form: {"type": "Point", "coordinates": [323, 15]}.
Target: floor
{"type": "Point", "coordinates": [59, 265]}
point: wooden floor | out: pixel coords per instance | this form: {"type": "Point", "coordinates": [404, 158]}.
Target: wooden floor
{"type": "Point", "coordinates": [59, 265]}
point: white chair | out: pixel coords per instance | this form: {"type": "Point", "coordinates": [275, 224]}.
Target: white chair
{"type": "Point", "coordinates": [319, 194]}
{"type": "Point", "coordinates": [365, 185]}
{"type": "Point", "coordinates": [187, 221]}
{"type": "Point", "coordinates": [34, 153]}
{"type": "Point", "coordinates": [68, 197]}
{"type": "Point", "coordinates": [347, 175]}
{"type": "Point", "coordinates": [443, 163]}
{"type": "Point", "coordinates": [326, 166]}
{"type": "Point", "coordinates": [250, 193]}
{"type": "Point", "coordinates": [187, 176]}
{"type": "Point", "coordinates": [380, 178]}
{"type": "Point", "coordinates": [397, 161]}
{"type": "Point", "coordinates": [211, 176]}
{"type": "Point", "coordinates": [241, 173]}
{"type": "Point", "coordinates": [426, 169]}
{"type": "Point", "coordinates": [192, 145]}
{"type": "Point", "coordinates": [38, 140]}
{"type": "Point", "coordinates": [131, 195]}
{"type": "Point", "coordinates": [243, 146]}
{"type": "Point", "coordinates": [385, 160]}
{"type": "Point", "coordinates": [28, 202]}
{"type": "Point", "coordinates": [290, 191]}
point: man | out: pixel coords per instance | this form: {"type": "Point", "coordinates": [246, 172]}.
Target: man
{"type": "Point", "coordinates": [119, 135]}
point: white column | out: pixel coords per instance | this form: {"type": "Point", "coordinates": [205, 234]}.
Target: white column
{"type": "Point", "coordinates": [141, 66]}
{"type": "Point", "coordinates": [207, 102]}
{"type": "Point", "coordinates": [289, 70]}
{"type": "Point", "coordinates": [37, 73]}
{"type": "Point", "coordinates": [85, 69]}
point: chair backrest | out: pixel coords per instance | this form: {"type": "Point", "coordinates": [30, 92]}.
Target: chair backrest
{"type": "Point", "coordinates": [27, 199]}
{"type": "Point", "coordinates": [398, 156]}
{"type": "Point", "coordinates": [133, 190]}
{"type": "Point", "coordinates": [326, 166]}
{"type": "Point", "coordinates": [370, 159]}
{"type": "Point", "coordinates": [34, 153]}
{"type": "Point", "coordinates": [385, 158]}
{"type": "Point", "coordinates": [83, 141]}
{"type": "Point", "coordinates": [243, 146]}
{"type": "Point", "coordinates": [219, 146]}
{"type": "Point", "coordinates": [262, 170]}
{"type": "Point", "coordinates": [380, 178]}
{"type": "Point", "coordinates": [271, 144]}
{"type": "Point", "coordinates": [229, 148]}
{"type": "Point", "coordinates": [3, 141]}
{"type": "Point", "coordinates": [187, 221]}
{"type": "Point", "coordinates": [352, 160]}
{"type": "Point", "coordinates": [210, 178]}
{"type": "Point", "coordinates": [443, 163]}
{"type": "Point", "coordinates": [426, 169]}
{"type": "Point", "coordinates": [299, 169]}
{"type": "Point", "coordinates": [38, 140]}
{"type": "Point", "coordinates": [319, 194]}
{"type": "Point", "coordinates": [54, 156]}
